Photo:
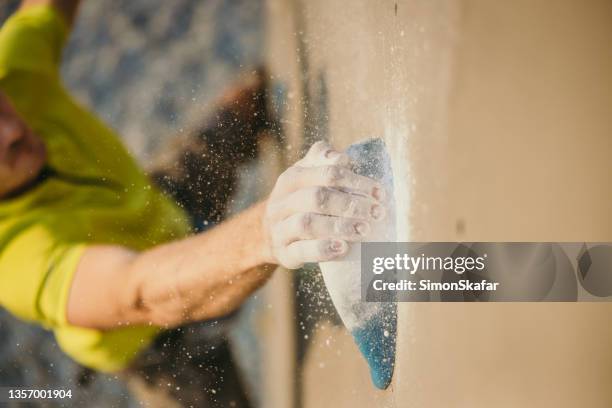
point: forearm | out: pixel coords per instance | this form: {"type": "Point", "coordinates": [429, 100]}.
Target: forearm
{"type": "Point", "coordinates": [201, 277]}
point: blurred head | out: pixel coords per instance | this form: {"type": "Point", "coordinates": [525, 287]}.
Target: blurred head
{"type": "Point", "coordinates": [22, 153]}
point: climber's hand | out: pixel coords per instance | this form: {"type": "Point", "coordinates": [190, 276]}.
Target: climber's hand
{"type": "Point", "coordinates": [317, 206]}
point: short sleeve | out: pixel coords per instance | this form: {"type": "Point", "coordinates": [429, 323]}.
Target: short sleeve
{"type": "Point", "coordinates": [30, 256]}
{"type": "Point", "coordinates": [107, 351]}
{"type": "Point", "coordinates": [36, 273]}
{"type": "Point", "coordinates": [32, 41]}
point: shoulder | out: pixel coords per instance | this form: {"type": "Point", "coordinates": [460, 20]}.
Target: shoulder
{"type": "Point", "coordinates": [32, 40]}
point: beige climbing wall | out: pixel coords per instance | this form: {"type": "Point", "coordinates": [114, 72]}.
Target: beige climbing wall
{"type": "Point", "coordinates": [499, 119]}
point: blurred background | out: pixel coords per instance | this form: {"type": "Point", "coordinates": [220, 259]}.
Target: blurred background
{"type": "Point", "coordinates": [149, 69]}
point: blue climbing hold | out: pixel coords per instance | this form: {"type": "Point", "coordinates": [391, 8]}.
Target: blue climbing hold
{"type": "Point", "coordinates": [376, 341]}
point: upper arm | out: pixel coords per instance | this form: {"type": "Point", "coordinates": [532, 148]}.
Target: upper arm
{"type": "Point", "coordinates": [35, 270]}
{"type": "Point", "coordinates": [38, 270]}
{"type": "Point", "coordinates": [58, 284]}
{"type": "Point", "coordinates": [103, 292]}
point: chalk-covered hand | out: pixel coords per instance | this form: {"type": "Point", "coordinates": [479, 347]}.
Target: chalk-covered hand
{"type": "Point", "coordinates": [319, 205]}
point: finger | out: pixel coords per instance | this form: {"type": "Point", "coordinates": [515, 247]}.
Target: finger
{"type": "Point", "coordinates": [296, 178]}
{"type": "Point", "coordinates": [322, 154]}
{"type": "Point", "coordinates": [328, 201]}
{"type": "Point", "coordinates": [308, 226]}
{"type": "Point", "coordinates": [319, 250]}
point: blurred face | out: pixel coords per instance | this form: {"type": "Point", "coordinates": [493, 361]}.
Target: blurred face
{"type": "Point", "coordinates": [22, 153]}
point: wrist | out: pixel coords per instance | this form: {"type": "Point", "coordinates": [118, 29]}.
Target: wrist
{"type": "Point", "coordinates": [264, 242]}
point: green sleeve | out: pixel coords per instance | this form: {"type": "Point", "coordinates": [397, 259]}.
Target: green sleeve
{"type": "Point", "coordinates": [36, 273]}
{"type": "Point", "coordinates": [32, 41]}
{"type": "Point", "coordinates": [107, 351]}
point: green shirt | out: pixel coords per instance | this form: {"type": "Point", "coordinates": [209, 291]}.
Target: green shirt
{"type": "Point", "coordinates": [96, 194]}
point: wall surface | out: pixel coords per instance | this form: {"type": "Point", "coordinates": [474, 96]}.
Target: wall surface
{"type": "Point", "coordinates": [497, 115]}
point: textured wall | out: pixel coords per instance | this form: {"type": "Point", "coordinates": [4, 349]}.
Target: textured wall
{"type": "Point", "coordinates": [498, 118]}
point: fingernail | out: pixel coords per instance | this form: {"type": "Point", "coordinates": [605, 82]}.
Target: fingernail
{"type": "Point", "coordinates": [361, 228]}
{"type": "Point", "coordinates": [377, 212]}
{"type": "Point", "coordinates": [337, 246]}
{"type": "Point", "coordinates": [378, 193]}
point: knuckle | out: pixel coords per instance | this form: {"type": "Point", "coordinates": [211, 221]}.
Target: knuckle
{"type": "Point", "coordinates": [321, 196]}
{"type": "Point", "coordinates": [357, 208]}
{"type": "Point", "coordinates": [347, 204]}
{"type": "Point", "coordinates": [346, 227]}
{"type": "Point", "coordinates": [340, 226]}
{"type": "Point", "coordinates": [332, 174]}
{"type": "Point", "coordinates": [323, 249]}
{"type": "Point", "coordinates": [350, 228]}
{"type": "Point", "coordinates": [305, 222]}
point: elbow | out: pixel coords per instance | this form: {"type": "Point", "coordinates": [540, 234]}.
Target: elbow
{"type": "Point", "coordinates": [175, 302]}
{"type": "Point", "coordinates": [159, 309]}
